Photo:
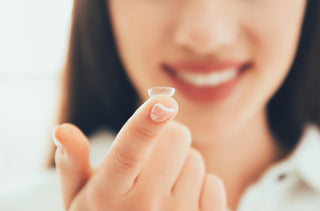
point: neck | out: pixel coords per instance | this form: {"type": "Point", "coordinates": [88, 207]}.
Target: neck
{"type": "Point", "coordinates": [242, 160]}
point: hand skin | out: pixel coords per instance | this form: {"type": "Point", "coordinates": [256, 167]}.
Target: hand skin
{"type": "Point", "coordinates": [150, 166]}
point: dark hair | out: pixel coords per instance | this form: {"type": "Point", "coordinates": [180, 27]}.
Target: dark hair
{"type": "Point", "coordinates": [297, 102]}
{"type": "Point", "coordinates": [97, 92]}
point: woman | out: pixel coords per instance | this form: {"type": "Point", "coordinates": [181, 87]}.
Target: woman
{"type": "Point", "coordinates": [246, 77]}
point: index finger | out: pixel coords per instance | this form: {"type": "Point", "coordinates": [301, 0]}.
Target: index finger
{"type": "Point", "coordinates": [134, 143]}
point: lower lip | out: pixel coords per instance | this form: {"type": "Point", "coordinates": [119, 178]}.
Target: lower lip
{"type": "Point", "coordinates": [207, 93]}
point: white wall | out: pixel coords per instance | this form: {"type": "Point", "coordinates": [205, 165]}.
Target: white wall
{"type": "Point", "coordinates": [33, 37]}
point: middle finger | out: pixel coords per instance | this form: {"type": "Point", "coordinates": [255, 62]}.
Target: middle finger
{"type": "Point", "coordinates": [166, 160]}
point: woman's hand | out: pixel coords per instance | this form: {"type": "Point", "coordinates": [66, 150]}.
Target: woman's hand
{"type": "Point", "coordinates": [150, 166]}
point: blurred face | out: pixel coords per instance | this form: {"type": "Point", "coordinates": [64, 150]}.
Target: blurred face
{"type": "Point", "coordinates": [226, 59]}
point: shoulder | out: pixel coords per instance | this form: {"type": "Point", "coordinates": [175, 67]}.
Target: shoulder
{"type": "Point", "coordinates": [292, 184]}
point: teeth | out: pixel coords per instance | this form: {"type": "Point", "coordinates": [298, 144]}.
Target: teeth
{"type": "Point", "coordinates": [212, 79]}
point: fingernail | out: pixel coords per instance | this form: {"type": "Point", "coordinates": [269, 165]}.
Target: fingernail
{"type": "Point", "coordinates": [55, 140]}
{"type": "Point", "coordinates": [161, 113]}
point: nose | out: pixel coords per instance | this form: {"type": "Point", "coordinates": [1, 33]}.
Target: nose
{"type": "Point", "coordinates": [205, 26]}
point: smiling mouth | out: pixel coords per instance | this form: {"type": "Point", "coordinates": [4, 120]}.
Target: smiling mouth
{"type": "Point", "coordinates": [207, 84]}
{"type": "Point", "coordinates": [212, 79]}
{"type": "Point", "coordinates": [209, 78]}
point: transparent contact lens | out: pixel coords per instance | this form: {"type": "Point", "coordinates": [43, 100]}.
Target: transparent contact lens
{"type": "Point", "coordinates": [161, 91]}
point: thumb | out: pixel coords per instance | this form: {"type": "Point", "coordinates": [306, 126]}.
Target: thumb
{"type": "Point", "coordinates": [72, 160]}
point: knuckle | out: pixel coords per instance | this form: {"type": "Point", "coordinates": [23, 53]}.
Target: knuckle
{"type": "Point", "coordinates": [217, 181]}
{"type": "Point", "coordinates": [196, 160]}
{"type": "Point", "coordinates": [142, 133]}
{"type": "Point", "coordinates": [125, 160]}
{"type": "Point", "coordinates": [145, 202]}
{"type": "Point", "coordinates": [179, 132]}
{"type": "Point", "coordinates": [146, 199]}
{"type": "Point", "coordinates": [182, 205]}
{"type": "Point", "coordinates": [216, 185]}
{"type": "Point", "coordinates": [95, 198]}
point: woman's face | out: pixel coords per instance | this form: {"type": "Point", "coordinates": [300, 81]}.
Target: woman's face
{"type": "Point", "coordinates": [225, 58]}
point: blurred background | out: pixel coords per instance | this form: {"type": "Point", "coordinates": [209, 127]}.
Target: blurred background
{"type": "Point", "coordinates": [33, 43]}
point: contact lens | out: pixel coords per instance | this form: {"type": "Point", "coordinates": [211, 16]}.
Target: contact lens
{"type": "Point", "coordinates": [161, 91]}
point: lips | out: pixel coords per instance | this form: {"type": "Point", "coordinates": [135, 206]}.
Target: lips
{"type": "Point", "coordinates": [204, 67]}
{"type": "Point", "coordinates": [206, 81]}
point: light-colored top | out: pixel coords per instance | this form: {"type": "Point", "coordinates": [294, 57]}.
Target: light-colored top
{"type": "Point", "coordinates": [291, 185]}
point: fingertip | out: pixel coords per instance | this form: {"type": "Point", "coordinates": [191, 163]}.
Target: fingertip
{"type": "Point", "coordinates": [162, 108]}
{"type": "Point", "coordinates": [150, 118]}
{"type": "Point", "coordinates": [73, 166]}
{"type": "Point", "coordinates": [166, 100]}
{"type": "Point", "coordinates": [65, 131]}
{"type": "Point", "coordinates": [72, 140]}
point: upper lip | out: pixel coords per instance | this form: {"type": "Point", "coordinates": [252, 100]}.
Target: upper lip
{"type": "Point", "coordinates": [204, 67]}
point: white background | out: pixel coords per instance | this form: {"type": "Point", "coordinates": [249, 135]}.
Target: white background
{"type": "Point", "coordinates": [33, 43]}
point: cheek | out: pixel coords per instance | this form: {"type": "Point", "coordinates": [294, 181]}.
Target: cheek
{"type": "Point", "coordinates": [274, 43]}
